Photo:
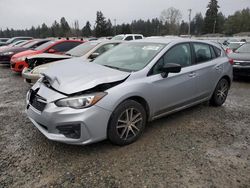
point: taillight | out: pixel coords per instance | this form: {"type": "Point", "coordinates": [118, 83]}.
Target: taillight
{"type": "Point", "coordinates": [229, 51]}
{"type": "Point", "coordinates": [231, 61]}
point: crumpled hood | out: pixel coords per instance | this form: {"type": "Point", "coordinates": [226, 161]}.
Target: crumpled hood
{"type": "Point", "coordinates": [240, 56]}
{"type": "Point", "coordinates": [75, 75]}
{"type": "Point", "coordinates": [48, 55]}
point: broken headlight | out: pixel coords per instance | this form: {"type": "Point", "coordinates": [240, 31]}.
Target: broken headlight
{"type": "Point", "coordinates": [79, 102]}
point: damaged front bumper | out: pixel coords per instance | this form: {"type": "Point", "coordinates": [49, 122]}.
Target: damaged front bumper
{"type": "Point", "coordinates": [64, 124]}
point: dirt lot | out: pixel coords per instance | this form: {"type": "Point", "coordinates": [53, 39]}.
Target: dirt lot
{"type": "Point", "coordinates": [199, 147]}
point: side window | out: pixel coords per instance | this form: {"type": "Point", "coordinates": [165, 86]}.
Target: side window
{"type": "Point", "coordinates": [202, 52]}
{"type": "Point", "coordinates": [129, 38]}
{"type": "Point", "coordinates": [65, 46]}
{"type": "Point", "coordinates": [212, 53]}
{"type": "Point", "coordinates": [217, 52]}
{"type": "Point", "coordinates": [105, 48]}
{"type": "Point", "coordinates": [138, 37]}
{"type": "Point", "coordinates": [179, 54]}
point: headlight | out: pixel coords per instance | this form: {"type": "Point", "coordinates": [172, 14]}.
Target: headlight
{"type": "Point", "coordinates": [7, 53]}
{"type": "Point", "coordinates": [39, 70]}
{"type": "Point", "coordinates": [21, 59]}
{"type": "Point", "coordinates": [79, 102]}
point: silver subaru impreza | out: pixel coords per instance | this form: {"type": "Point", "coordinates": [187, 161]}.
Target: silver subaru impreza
{"type": "Point", "coordinates": [114, 96]}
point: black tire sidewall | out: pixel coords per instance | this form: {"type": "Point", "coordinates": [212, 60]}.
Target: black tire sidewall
{"type": "Point", "coordinates": [112, 131]}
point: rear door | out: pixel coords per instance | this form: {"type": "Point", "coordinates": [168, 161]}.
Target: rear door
{"type": "Point", "coordinates": [208, 68]}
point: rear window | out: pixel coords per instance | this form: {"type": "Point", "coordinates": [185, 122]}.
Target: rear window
{"type": "Point", "coordinates": [129, 38]}
{"type": "Point", "coordinates": [217, 51]}
{"type": "Point", "coordinates": [138, 37]}
{"type": "Point", "coordinates": [202, 52]}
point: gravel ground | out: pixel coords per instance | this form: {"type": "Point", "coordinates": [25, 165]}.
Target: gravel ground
{"type": "Point", "coordinates": [199, 147]}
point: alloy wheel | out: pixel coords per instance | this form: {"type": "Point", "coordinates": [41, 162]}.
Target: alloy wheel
{"type": "Point", "coordinates": [129, 124]}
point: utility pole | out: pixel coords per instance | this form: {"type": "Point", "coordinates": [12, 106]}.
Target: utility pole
{"type": "Point", "coordinates": [214, 25]}
{"type": "Point", "coordinates": [189, 24]}
{"type": "Point", "coordinates": [115, 25]}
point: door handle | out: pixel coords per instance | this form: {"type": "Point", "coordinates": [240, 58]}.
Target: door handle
{"type": "Point", "coordinates": [192, 74]}
{"type": "Point", "coordinates": [218, 67]}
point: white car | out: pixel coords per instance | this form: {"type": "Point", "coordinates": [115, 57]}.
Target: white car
{"type": "Point", "coordinates": [87, 51]}
{"type": "Point", "coordinates": [128, 37]}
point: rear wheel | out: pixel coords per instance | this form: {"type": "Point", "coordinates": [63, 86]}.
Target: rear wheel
{"type": "Point", "coordinates": [127, 123]}
{"type": "Point", "coordinates": [220, 93]}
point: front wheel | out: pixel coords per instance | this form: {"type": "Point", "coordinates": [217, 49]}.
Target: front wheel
{"type": "Point", "coordinates": [220, 93]}
{"type": "Point", "coordinates": [127, 123]}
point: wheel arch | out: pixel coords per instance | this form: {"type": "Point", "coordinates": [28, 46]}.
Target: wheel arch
{"type": "Point", "coordinates": [228, 79]}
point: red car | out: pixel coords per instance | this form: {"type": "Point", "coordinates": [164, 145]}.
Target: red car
{"type": "Point", "coordinates": [59, 47]}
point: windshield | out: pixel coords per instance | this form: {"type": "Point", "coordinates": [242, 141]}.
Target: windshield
{"type": "Point", "coordinates": [234, 46]}
{"type": "Point", "coordinates": [118, 37]}
{"type": "Point", "coordinates": [245, 48]}
{"type": "Point", "coordinates": [45, 45]}
{"type": "Point", "coordinates": [30, 44]}
{"type": "Point", "coordinates": [18, 43]}
{"type": "Point", "coordinates": [82, 49]}
{"type": "Point", "coordinates": [130, 56]}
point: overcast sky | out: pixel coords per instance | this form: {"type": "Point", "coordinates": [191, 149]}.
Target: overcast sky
{"type": "Point", "coordinates": [20, 14]}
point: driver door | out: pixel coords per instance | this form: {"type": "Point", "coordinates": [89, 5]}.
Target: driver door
{"type": "Point", "coordinates": [178, 89]}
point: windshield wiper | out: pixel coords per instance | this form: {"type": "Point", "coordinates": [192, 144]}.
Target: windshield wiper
{"type": "Point", "coordinates": [117, 68]}
{"type": "Point", "coordinates": [68, 54]}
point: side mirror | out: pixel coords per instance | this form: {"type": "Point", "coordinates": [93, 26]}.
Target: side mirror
{"type": "Point", "coordinates": [170, 68]}
{"type": "Point", "coordinates": [51, 51]}
{"type": "Point", "coordinates": [94, 55]}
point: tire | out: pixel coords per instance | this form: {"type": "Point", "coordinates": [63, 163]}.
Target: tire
{"type": "Point", "coordinates": [220, 93]}
{"type": "Point", "coordinates": [127, 123]}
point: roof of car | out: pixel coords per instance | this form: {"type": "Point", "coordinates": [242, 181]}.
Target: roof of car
{"type": "Point", "coordinates": [167, 40]}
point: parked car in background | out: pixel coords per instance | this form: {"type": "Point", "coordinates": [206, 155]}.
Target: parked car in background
{"type": "Point", "coordinates": [128, 37]}
{"type": "Point", "coordinates": [38, 64]}
{"type": "Point", "coordinates": [5, 55]}
{"type": "Point", "coordinates": [233, 46]}
{"type": "Point", "coordinates": [241, 58]}
{"type": "Point", "coordinates": [57, 46]}
{"type": "Point", "coordinates": [17, 43]}
{"type": "Point", "coordinates": [3, 41]}
{"type": "Point", "coordinates": [120, 91]}
{"type": "Point", "coordinates": [14, 39]}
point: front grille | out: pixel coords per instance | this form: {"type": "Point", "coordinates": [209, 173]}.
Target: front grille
{"type": "Point", "coordinates": [36, 101]}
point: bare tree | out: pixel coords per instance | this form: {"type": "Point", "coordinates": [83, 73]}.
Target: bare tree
{"type": "Point", "coordinates": [171, 17]}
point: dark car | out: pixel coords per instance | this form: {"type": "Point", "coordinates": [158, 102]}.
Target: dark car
{"type": "Point", "coordinates": [6, 54]}
{"type": "Point", "coordinates": [3, 41]}
{"type": "Point", "coordinates": [241, 58]}
{"type": "Point", "coordinates": [14, 39]}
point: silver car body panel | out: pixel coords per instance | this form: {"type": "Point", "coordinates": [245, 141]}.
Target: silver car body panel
{"type": "Point", "coordinates": [194, 84]}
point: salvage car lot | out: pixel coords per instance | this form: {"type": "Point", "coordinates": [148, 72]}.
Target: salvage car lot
{"type": "Point", "coordinates": [202, 146]}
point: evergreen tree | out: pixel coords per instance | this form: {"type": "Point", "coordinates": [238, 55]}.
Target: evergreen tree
{"type": "Point", "coordinates": [86, 30]}
{"type": "Point", "coordinates": [197, 24]}
{"type": "Point", "coordinates": [183, 28]}
{"type": "Point", "coordinates": [65, 29]}
{"type": "Point", "coordinates": [101, 25]}
{"type": "Point", "coordinates": [210, 21]}
{"type": "Point", "coordinates": [55, 29]}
